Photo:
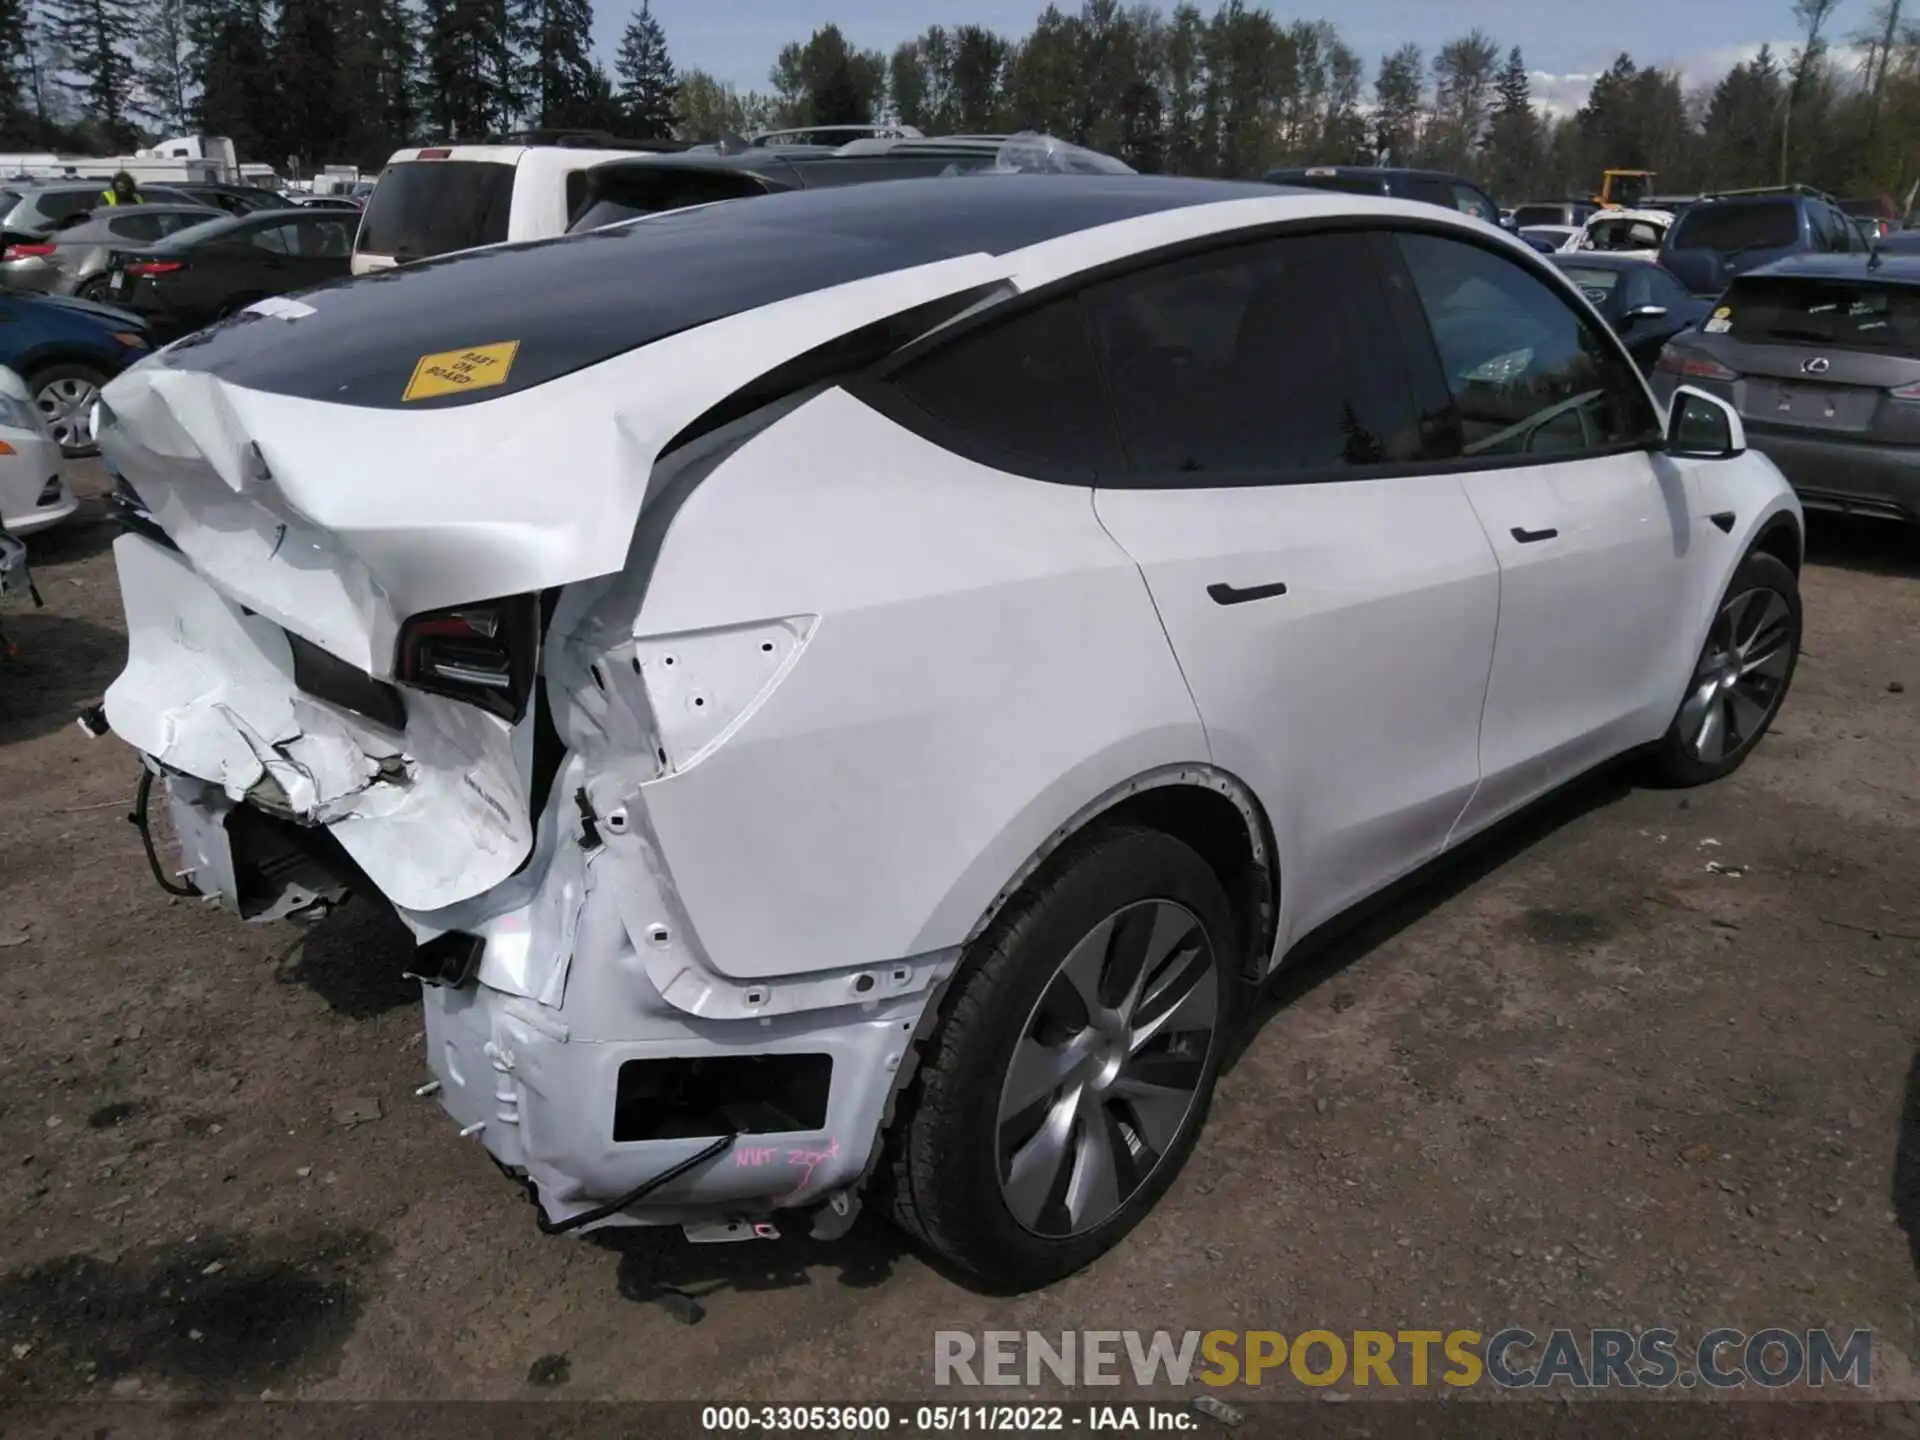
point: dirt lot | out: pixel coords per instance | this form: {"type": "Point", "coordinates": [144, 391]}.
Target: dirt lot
{"type": "Point", "coordinates": [1649, 1058]}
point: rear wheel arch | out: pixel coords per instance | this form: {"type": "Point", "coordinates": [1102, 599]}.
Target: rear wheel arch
{"type": "Point", "coordinates": [1781, 537]}
{"type": "Point", "coordinates": [1213, 813]}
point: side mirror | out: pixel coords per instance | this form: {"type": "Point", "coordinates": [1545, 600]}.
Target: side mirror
{"type": "Point", "coordinates": [1703, 427]}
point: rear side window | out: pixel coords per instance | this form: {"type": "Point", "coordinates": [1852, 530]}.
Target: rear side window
{"type": "Point", "coordinates": [422, 208]}
{"type": "Point", "coordinates": [280, 239]}
{"type": "Point", "coordinates": [1529, 374]}
{"type": "Point", "coordinates": [627, 193]}
{"type": "Point", "coordinates": [1838, 314]}
{"type": "Point", "coordinates": [322, 239]}
{"type": "Point", "coordinates": [1255, 363]}
{"type": "Point", "coordinates": [61, 204]}
{"type": "Point", "coordinates": [1021, 392]}
{"type": "Point", "coordinates": [1469, 201]}
{"type": "Point", "coordinates": [1738, 224]}
{"type": "Point", "coordinates": [135, 227]}
{"type": "Point", "coordinates": [172, 224]}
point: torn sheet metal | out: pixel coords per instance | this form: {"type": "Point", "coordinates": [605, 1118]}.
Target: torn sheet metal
{"type": "Point", "coordinates": [433, 815]}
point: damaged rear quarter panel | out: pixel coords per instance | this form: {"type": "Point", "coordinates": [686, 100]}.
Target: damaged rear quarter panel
{"type": "Point", "coordinates": [986, 662]}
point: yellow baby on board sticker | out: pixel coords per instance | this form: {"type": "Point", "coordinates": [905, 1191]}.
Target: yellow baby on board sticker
{"type": "Point", "coordinates": [453, 372]}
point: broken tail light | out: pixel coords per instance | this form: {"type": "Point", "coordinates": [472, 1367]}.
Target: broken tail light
{"type": "Point", "coordinates": [485, 654]}
{"type": "Point", "coordinates": [1674, 361]}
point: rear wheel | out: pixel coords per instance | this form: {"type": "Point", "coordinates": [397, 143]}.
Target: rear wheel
{"type": "Point", "coordinates": [1071, 1071]}
{"type": "Point", "coordinates": [1742, 676]}
{"type": "Point", "coordinates": [95, 289]}
{"type": "Point", "coordinates": [65, 396]}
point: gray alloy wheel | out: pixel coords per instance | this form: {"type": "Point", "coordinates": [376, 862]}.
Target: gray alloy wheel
{"type": "Point", "coordinates": [1111, 1059]}
{"type": "Point", "coordinates": [65, 396]}
{"type": "Point", "coordinates": [1742, 675]}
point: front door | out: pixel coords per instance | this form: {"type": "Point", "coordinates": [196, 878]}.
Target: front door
{"type": "Point", "coordinates": [1333, 615]}
{"type": "Point", "coordinates": [1560, 459]}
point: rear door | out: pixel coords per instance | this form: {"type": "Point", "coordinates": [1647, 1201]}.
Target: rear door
{"type": "Point", "coordinates": [1592, 530]}
{"type": "Point", "coordinates": [1331, 602]}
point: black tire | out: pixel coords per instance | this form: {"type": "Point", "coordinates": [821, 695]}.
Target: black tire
{"type": "Point", "coordinates": [940, 1175]}
{"type": "Point", "coordinates": [73, 443]}
{"type": "Point", "coordinates": [95, 290]}
{"type": "Point", "coordinates": [1675, 758]}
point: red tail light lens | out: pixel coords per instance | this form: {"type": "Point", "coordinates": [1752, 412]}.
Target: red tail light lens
{"type": "Point", "coordinates": [1675, 361]}
{"type": "Point", "coordinates": [155, 267]}
{"type": "Point", "coordinates": [25, 252]}
{"type": "Point", "coordinates": [1906, 392]}
{"type": "Point", "coordinates": [485, 654]}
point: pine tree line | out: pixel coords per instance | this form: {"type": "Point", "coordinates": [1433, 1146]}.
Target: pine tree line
{"type": "Point", "coordinates": [315, 82]}
{"type": "Point", "coordinates": [1233, 92]}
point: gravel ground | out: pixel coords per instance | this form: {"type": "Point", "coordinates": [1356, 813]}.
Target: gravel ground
{"type": "Point", "coordinates": [1645, 1058]}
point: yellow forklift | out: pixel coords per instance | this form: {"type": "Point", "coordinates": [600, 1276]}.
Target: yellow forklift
{"type": "Point", "coordinates": [1624, 189]}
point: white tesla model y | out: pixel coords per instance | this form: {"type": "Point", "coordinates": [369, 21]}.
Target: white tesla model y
{"type": "Point", "coordinates": [852, 689]}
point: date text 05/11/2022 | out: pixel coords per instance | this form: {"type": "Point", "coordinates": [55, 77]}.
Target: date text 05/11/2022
{"type": "Point", "coordinates": [944, 1419]}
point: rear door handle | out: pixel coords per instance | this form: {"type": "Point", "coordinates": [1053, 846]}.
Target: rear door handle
{"type": "Point", "coordinates": [1228, 595]}
{"type": "Point", "coordinates": [1530, 537]}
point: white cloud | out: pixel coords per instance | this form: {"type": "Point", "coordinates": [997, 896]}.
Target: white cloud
{"type": "Point", "coordinates": [1561, 95]}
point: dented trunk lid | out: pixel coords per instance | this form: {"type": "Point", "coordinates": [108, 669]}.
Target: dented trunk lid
{"type": "Point", "coordinates": [326, 520]}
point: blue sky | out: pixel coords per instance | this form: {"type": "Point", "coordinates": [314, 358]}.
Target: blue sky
{"type": "Point", "coordinates": [1564, 40]}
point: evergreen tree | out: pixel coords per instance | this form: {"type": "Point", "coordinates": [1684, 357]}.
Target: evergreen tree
{"type": "Point", "coordinates": [232, 66]}
{"type": "Point", "coordinates": [560, 71]}
{"type": "Point", "coordinates": [648, 86]}
{"type": "Point", "coordinates": [98, 36]}
{"type": "Point", "coordinates": [308, 77]}
{"type": "Point", "coordinates": [380, 49]}
{"type": "Point", "coordinates": [472, 67]}
{"type": "Point", "coordinates": [1396, 115]}
{"type": "Point", "coordinates": [1512, 147]}
{"type": "Point", "coordinates": [161, 58]}
{"type": "Point", "coordinates": [16, 78]}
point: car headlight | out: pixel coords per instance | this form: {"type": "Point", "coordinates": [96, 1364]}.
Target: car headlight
{"type": "Point", "coordinates": [18, 412]}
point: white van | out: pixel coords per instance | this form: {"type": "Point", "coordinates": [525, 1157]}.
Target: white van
{"type": "Point", "coordinates": [433, 200]}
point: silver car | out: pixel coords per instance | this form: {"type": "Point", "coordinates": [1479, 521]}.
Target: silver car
{"type": "Point", "coordinates": [73, 261]}
{"type": "Point", "coordinates": [1821, 356]}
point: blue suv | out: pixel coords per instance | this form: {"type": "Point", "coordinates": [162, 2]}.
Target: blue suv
{"type": "Point", "coordinates": [1721, 236]}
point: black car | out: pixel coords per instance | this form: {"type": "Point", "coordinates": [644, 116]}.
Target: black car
{"type": "Point", "coordinates": [1434, 187]}
{"type": "Point", "coordinates": [1644, 303]}
{"type": "Point", "coordinates": [212, 270]}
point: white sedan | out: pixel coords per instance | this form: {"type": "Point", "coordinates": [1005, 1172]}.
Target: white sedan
{"type": "Point", "coordinates": [853, 691]}
{"type": "Point", "coordinates": [34, 493]}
